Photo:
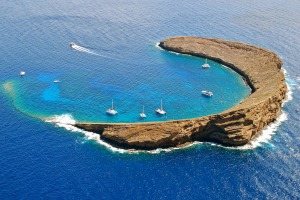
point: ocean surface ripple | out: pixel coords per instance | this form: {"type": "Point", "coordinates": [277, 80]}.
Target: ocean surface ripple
{"type": "Point", "coordinates": [115, 57]}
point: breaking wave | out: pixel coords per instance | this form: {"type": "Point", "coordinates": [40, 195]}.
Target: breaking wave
{"type": "Point", "coordinates": [157, 46]}
{"type": "Point", "coordinates": [267, 133]}
{"type": "Point", "coordinates": [67, 121]}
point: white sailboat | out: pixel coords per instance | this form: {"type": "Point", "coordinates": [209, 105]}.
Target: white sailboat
{"type": "Point", "coordinates": [206, 65]}
{"type": "Point", "coordinates": [143, 115]}
{"type": "Point", "coordinates": [111, 110]}
{"type": "Point", "coordinates": [160, 110]}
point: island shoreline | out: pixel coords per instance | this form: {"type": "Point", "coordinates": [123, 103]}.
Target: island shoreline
{"type": "Point", "coordinates": [224, 64]}
{"type": "Point", "coordinates": [236, 126]}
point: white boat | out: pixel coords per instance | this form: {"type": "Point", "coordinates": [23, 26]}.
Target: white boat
{"type": "Point", "coordinates": [56, 81]}
{"type": "Point", "coordinates": [143, 115]}
{"type": "Point", "coordinates": [111, 110]}
{"type": "Point", "coordinates": [22, 73]}
{"type": "Point", "coordinates": [207, 93]}
{"type": "Point", "coordinates": [160, 110]}
{"type": "Point", "coordinates": [72, 44]}
{"type": "Point", "coordinates": [206, 65]}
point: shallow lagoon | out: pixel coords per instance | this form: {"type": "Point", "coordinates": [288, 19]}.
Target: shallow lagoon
{"type": "Point", "coordinates": [86, 93]}
{"type": "Point", "coordinates": [40, 160]}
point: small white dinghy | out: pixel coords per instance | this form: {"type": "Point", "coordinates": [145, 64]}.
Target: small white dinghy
{"type": "Point", "coordinates": [56, 81]}
{"type": "Point", "coordinates": [22, 73]}
{"type": "Point", "coordinates": [143, 115]}
{"type": "Point", "coordinates": [206, 65]}
{"type": "Point", "coordinates": [160, 110]}
{"type": "Point", "coordinates": [111, 110]}
{"type": "Point", "coordinates": [207, 93]}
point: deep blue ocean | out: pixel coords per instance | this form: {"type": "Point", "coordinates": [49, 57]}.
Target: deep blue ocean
{"type": "Point", "coordinates": [117, 57]}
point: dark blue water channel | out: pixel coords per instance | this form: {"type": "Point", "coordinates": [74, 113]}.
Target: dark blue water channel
{"type": "Point", "coordinates": [118, 59]}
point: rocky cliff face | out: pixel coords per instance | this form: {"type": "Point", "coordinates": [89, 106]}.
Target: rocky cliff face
{"type": "Point", "coordinates": [237, 126]}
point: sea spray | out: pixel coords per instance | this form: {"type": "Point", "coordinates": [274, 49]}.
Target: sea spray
{"type": "Point", "coordinates": [67, 121]}
{"type": "Point", "coordinates": [64, 119]}
{"type": "Point", "coordinates": [267, 133]}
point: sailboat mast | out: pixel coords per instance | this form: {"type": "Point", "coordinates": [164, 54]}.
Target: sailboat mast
{"type": "Point", "coordinates": [161, 104]}
{"type": "Point", "coordinates": [143, 109]}
{"type": "Point", "coordinates": [112, 104]}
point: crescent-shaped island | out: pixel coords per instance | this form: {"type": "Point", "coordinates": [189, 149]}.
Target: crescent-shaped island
{"type": "Point", "coordinates": [260, 68]}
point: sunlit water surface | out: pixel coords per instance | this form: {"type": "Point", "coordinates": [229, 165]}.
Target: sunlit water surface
{"type": "Point", "coordinates": [117, 59]}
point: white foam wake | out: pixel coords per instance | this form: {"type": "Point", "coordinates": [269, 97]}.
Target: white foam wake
{"type": "Point", "coordinates": [86, 50]}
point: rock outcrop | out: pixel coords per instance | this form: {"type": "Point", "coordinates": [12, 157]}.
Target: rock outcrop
{"type": "Point", "coordinates": [237, 126]}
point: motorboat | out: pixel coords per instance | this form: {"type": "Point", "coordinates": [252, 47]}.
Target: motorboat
{"type": "Point", "coordinates": [143, 115]}
{"type": "Point", "coordinates": [160, 110]}
{"type": "Point", "coordinates": [207, 93]}
{"type": "Point", "coordinates": [72, 44]}
{"type": "Point", "coordinates": [111, 110]}
{"type": "Point", "coordinates": [56, 81]}
{"type": "Point", "coordinates": [206, 65]}
{"type": "Point", "coordinates": [22, 73]}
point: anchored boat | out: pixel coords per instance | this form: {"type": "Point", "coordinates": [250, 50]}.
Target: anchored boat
{"type": "Point", "coordinates": [207, 93]}
{"type": "Point", "coordinates": [206, 65]}
{"type": "Point", "coordinates": [111, 110]}
{"type": "Point", "coordinates": [143, 115]}
{"type": "Point", "coordinates": [160, 110]}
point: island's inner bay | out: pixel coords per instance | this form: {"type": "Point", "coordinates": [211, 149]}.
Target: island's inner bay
{"type": "Point", "coordinates": [89, 81]}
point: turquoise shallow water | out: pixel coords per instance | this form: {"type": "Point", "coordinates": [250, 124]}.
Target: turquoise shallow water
{"type": "Point", "coordinates": [42, 161]}
{"type": "Point", "coordinates": [177, 80]}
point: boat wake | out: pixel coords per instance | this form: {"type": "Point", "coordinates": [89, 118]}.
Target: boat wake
{"type": "Point", "coordinates": [86, 50]}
